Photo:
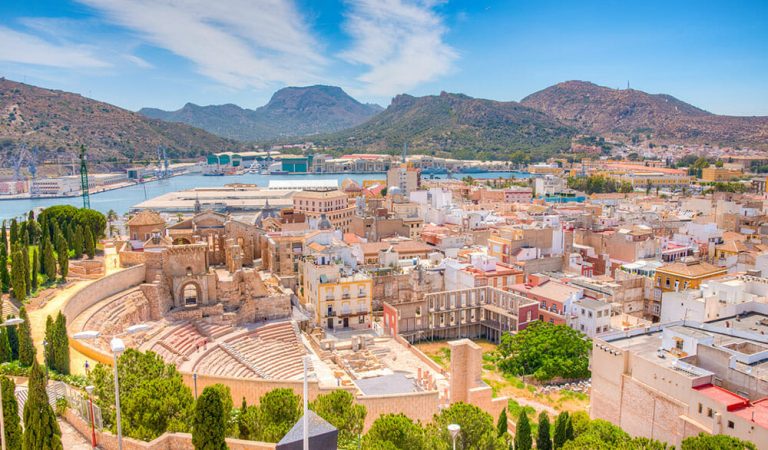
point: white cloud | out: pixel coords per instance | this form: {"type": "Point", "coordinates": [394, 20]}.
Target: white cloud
{"type": "Point", "coordinates": [400, 41]}
{"type": "Point", "coordinates": [138, 61]}
{"type": "Point", "coordinates": [19, 47]}
{"type": "Point", "coordinates": [235, 42]}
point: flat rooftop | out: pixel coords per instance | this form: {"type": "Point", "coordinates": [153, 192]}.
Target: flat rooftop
{"type": "Point", "coordinates": [752, 322]}
{"type": "Point", "coordinates": [397, 383]}
{"type": "Point", "coordinates": [240, 198]}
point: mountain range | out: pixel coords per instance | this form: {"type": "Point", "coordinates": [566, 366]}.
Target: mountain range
{"type": "Point", "coordinates": [291, 112]}
{"type": "Point", "coordinates": [56, 123]}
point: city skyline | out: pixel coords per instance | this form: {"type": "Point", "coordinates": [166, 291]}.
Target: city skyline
{"type": "Point", "coordinates": [164, 54]}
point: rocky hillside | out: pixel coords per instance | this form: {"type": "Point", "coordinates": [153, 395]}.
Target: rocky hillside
{"type": "Point", "coordinates": [627, 112]}
{"type": "Point", "coordinates": [58, 122]}
{"type": "Point", "coordinates": [456, 125]}
{"type": "Point", "coordinates": [292, 111]}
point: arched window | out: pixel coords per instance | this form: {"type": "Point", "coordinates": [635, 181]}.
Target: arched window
{"type": "Point", "coordinates": [190, 295]}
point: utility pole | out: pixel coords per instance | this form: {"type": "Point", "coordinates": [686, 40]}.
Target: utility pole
{"type": "Point", "coordinates": [84, 178]}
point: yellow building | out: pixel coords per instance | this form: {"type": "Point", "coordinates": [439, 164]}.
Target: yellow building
{"type": "Point", "coordinates": [687, 273]}
{"type": "Point", "coordinates": [332, 205]}
{"type": "Point", "coordinates": [339, 299]}
{"type": "Point", "coordinates": [662, 179]}
{"type": "Point", "coordinates": [713, 173]}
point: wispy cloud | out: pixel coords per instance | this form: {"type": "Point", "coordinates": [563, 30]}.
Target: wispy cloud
{"type": "Point", "coordinates": [24, 48]}
{"type": "Point", "coordinates": [239, 43]}
{"type": "Point", "coordinates": [138, 61]}
{"type": "Point", "coordinates": [400, 41]}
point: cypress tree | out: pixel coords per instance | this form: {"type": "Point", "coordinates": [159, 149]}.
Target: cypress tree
{"type": "Point", "coordinates": [49, 348]}
{"type": "Point", "coordinates": [5, 275]}
{"type": "Point", "coordinates": [61, 345]}
{"type": "Point", "coordinates": [18, 281]}
{"type": "Point", "coordinates": [4, 236]}
{"type": "Point", "coordinates": [50, 262]}
{"type": "Point", "coordinates": [11, 414]}
{"type": "Point", "coordinates": [26, 266]}
{"type": "Point", "coordinates": [5, 347]}
{"type": "Point", "coordinates": [242, 422]}
{"type": "Point", "coordinates": [41, 430]}
{"type": "Point", "coordinates": [35, 269]}
{"type": "Point", "coordinates": [561, 425]}
{"type": "Point", "coordinates": [209, 424]}
{"type": "Point", "coordinates": [90, 243]}
{"type": "Point", "coordinates": [77, 242]}
{"type": "Point", "coordinates": [569, 429]}
{"type": "Point", "coordinates": [14, 232]}
{"type": "Point", "coordinates": [26, 347]}
{"type": "Point", "coordinates": [523, 440]}
{"type": "Point", "coordinates": [543, 440]}
{"type": "Point", "coordinates": [62, 252]}
{"type": "Point", "coordinates": [13, 340]}
{"type": "Point", "coordinates": [501, 425]}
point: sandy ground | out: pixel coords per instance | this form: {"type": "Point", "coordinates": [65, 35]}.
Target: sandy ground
{"type": "Point", "coordinates": [52, 307]}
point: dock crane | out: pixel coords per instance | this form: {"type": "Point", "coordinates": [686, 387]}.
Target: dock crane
{"type": "Point", "coordinates": [84, 178]}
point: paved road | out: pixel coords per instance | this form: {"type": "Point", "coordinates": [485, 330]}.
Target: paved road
{"type": "Point", "coordinates": [71, 439]}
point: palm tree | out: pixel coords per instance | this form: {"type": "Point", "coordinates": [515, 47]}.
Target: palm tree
{"type": "Point", "coordinates": [111, 217]}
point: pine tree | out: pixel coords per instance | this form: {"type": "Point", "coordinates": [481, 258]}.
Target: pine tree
{"type": "Point", "coordinates": [50, 262]}
{"type": "Point", "coordinates": [501, 425]}
{"type": "Point", "coordinates": [209, 424]}
{"type": "Point", "coordinates": [11, 414]}
{"type": "Point", "coordinates": [523, 440]}
{"type": "Point", "coordinates": [62, 252]}
{"type": "Point", "coordinates": [90, 243]}
{"type": "Point", "coordinates": [61, 345]}
{"type": "Point", "coordinates": [543, 440]}
{"type": "Point", "coordinates": [77, 242]}
{"type": "Point", "coordinates": [26, 266]}
{"type": "Point", "coordinates": [26, 347]}
{"type": "Point", "coordinates": [41, 430]}
{"type": "Point", "coordinates": [35, 269]}
{"type": "Point", "coordinates": [18, 282]}
{"type": "Point", "coordinates": [13, 340]}
{"type": "Point", "coordinates": [48, 347]}
{"type": "Point", "coordinates": [561, 426]}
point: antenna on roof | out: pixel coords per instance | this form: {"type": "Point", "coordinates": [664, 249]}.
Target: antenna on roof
{"type": "Point", "coordinates": [627, 84]}
{"type": "Point", "coordinates": [405, 150]}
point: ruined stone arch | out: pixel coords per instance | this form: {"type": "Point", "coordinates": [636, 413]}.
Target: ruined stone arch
{"type": "Point", "coordinates": [191, 294]}
{"type": "Point", "coordinates": [181, 241]}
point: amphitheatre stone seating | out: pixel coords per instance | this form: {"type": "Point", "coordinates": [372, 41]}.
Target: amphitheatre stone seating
{"type": "Point", "coordinates": [273, 351]}
{"type": "Point", "coordinates": [124, 308]}
{"type": "Point", "coordinates": [179, 343]}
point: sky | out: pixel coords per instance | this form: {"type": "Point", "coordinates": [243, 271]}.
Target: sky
{"type": "Point", "coordinates": [165, 53]}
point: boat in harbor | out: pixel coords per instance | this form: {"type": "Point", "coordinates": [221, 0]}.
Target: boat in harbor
{"type": "Point", "coordinates": [473, 169]}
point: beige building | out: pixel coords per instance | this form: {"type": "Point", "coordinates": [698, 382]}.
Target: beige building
{"type": "Point", "coordinates": [332, 205]}
{"type": "Point", "coordinates": [676, 380]}
{"type": "Point", "coordinates": [404, 177]}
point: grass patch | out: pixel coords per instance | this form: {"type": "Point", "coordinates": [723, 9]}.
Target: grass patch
{"type": "Point", "coordinates": [442, 357]}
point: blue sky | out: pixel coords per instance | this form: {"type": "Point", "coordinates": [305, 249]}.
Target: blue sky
{"type": "Point", "coordinates": [164, 53]}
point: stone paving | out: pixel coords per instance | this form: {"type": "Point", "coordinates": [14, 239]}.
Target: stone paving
{"type": "Point", "coordinates": [71, 439]}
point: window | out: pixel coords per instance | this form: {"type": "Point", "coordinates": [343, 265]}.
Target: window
{"type": "Point", "coordinates": [361, 319]}
{"type": "Point", "coordinates": [730, 424]}
{"type": "Point", "coordinates": [701, 407]}
{"type": "Point", "coordinates": [710, 413]}
{"type": "Point", "coordinates": [679, 344]}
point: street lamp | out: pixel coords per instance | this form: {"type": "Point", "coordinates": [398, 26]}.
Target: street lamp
{"type": "Point", "coordinates": [7, 323]}
{"type": "Point", "coordinates": [454, 430]}
{"type": "Point", "coordinates": [117, 346]}
{"type": "Point", "coordinates": [89, 390]}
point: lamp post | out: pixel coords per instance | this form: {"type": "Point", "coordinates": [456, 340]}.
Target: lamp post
{"type": "Point", "coordinates": [117, 346]}
{"type": "Point", "coordinates": [7, 323]}
{"type": "Point", "coordinates": [89, 390]}
{"type": "Point", "coordinates": [454, 430]}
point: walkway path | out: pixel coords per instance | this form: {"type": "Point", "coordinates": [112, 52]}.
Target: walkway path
{"type": "Point", "coordinates": [71, 439]}
{"type": "Point", "coordinates": [52, 307]}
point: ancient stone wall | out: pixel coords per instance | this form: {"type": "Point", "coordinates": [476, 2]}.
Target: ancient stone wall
{"type": "Point", "coordinates": [100, 289]}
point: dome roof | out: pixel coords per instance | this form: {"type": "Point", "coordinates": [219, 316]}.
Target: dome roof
{"type": "Point", "coordinates": [394, 190]}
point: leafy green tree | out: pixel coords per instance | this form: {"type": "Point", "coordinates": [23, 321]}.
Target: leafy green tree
{"type": "Point", "coordinates": [41, 430]}
{"type": "Point", "coordinates": [210, 419]}
{"type": "Point", "coordinates": [543, 440]}
{"type": "Point", "coordinates": [26, 347]}
{"type": "Point", "coordinates": [35, 273]}
{"type": "Point", "coordinates": [279, 410]}
{"type": "Point", "coordinates": [523, 439]}
{"type": "Point", "coordinates": [13, 340]}
{"type": "Point", "coordinates": [501, 425]}
{"type": "Point", "coordinates": [477, 428]}
{"type": "Point", "coordinates": [715, 442]}
{"type": "Point", "coordinates": [545, 351]}
{"type": "Point", "coordinates": [243, 429]}
{"type": "Point", "coordinates": [90, 243]}
{"type": "Point", "coordinates": [561, 430]}
{"type": "Point", "coordinates": [341, 411]}
{"type": "Point", "coordinates": [395, 431]}
{"type": "Point", "coordinates": [603, 435]}
{"type": "Point", "coordinates": [18, 278]}
{"type": "Point", "coordinates": [11, 414]}
{"type": "Point", "coordinates": [153, 396]}
{"type": "Point", "coordinates": [62, 251]}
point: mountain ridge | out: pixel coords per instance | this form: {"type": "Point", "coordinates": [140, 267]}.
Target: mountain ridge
{"type": "Point", "coordinates": [290, 112]}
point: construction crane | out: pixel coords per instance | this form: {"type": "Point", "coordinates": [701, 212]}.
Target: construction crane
{"type": "Point", "coordinates": [84, 178]}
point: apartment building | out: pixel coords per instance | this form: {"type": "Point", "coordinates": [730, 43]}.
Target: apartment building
{"type": "Point", "coordinates": [331, 205]}
{"type": "Point", "coordinates": [553, 297]}
{"type": "Point", "coordinates": [339, 297]}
